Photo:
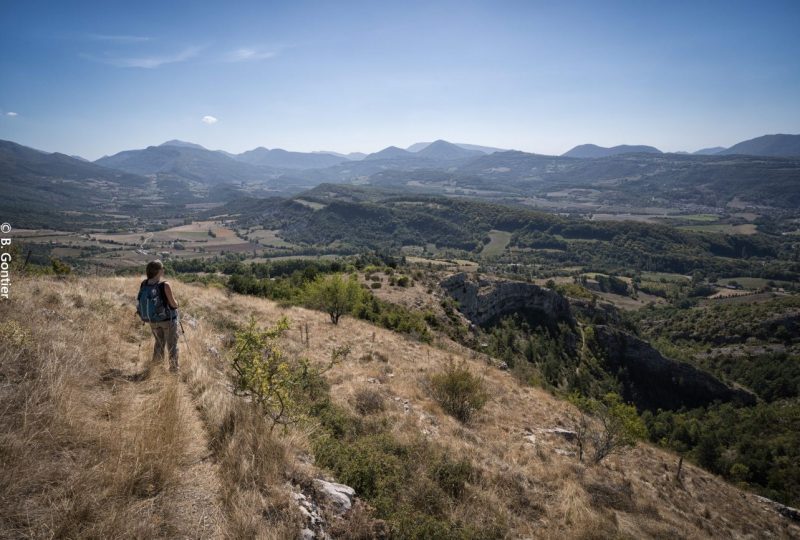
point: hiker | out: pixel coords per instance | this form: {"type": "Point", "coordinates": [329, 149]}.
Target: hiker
{"type": "Point", "coordinates": [156, 305]}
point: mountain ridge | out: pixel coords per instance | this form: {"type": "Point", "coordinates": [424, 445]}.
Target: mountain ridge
{"type": "Point", "coordinates": [709, 151]}
{"type": "Point", "coordinates": [777, 145]}
{"type": "Point", "coordinates": [390, 152]}
{"type": "Point", "coordinates": [186, 162]}
{"type": "Point", "coordinates": [285, 159]}
{"type": "Point", "coordinates": [595, 151]}
{"type": "Point", "coordinates": [443, 150]}
{"type": "Point", "coordinates": [416, 147]}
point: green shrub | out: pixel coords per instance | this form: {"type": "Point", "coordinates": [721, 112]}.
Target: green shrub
{"type": "Point", "coordinates": [283, 387]}
{"type": "Point", "coordinates": [334, 294]}
{"type": "Point", "coordinates": [460, 393]}
{"type": "Point", "coordinates": [451, 475]}
{"type": "Point", "coordinates": [60, 268]}
{"type": "Point", "coordinates": [617, 425]}
{"type": "Point", "coordinates": [393, 317]}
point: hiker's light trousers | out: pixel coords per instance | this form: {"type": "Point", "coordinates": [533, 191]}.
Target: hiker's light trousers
{"type": "Point", "coordinates": [166, 334]}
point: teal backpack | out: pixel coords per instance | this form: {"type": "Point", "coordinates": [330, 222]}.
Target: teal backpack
{"type": "Point", "coordinates": [152, 305]}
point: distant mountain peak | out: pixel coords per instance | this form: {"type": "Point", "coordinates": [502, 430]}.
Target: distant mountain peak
{"type": "Point", "coordinates": [709, 151]}
{"type": "Point", "coordinates": [595, 151]}
{"type": "Point", "coordinates": [390, 152]}
{"type": "Point", "coordinates": [441, 149]}
{"type": "Point", "coordinates": [285, 159]}
{"type": "Point", "coordinates": [777, 145]}
{"type": "Point", "coordinates": [182, 144]}
{"type": "Point", "coordinates": [417, 147]}
{"type": "Point", "coordinates": [352, 156]}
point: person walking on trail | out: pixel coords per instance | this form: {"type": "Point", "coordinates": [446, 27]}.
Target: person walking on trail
{"type": "Point", "coordinates": [156, 305]}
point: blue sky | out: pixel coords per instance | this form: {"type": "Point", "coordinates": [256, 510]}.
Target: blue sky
{"type": "Point", "coordinates": [94, 78]}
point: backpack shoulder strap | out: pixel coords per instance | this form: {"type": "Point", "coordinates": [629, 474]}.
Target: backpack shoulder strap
{"type": "Point", "coordinates": [162, 292]}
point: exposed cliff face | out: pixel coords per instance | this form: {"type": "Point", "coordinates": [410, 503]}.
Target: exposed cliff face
{"type": "Point", "coordinates": [649, 379]}
{"type": "Point", "coordinates": [653, 381]}
{"type": "Point", "coordinates": [484, 301]}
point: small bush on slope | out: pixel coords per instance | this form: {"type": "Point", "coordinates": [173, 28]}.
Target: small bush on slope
{"type": "Point", "coordinates": [616, 426]}
{"type": "Point", "coordinates": [282, 386]}
{"type": "Point", "coordinates": [412, 485]}
{"type": "Point", "coordinates": [460, 393]}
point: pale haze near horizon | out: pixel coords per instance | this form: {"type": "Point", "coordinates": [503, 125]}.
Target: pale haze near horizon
{"type": "Point", "coordinates": [93, 79]}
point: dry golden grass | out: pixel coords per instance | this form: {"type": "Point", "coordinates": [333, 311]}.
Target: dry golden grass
{"type": "Point", "coordinates": [89, 450]}
{"type": "Point", "coordinates": [94, 445]}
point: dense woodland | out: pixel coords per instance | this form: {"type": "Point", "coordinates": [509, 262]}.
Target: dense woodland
{"type": "Point", "coordinates": [351, 220]}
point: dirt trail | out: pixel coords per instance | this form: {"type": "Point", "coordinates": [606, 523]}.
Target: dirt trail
{"type": "Point", "coordinates": [194, 504]}
{"type": "Point", "coordinates": [197, 494]}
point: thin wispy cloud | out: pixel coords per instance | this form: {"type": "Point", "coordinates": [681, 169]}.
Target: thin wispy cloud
{"type": "Point", "coordinates": [118, 38]}
{"type": "Point", "coordinates": [208, 119]}
{"type": "Point", "coordinates": [248, 54]}
{"type": "Point", "coordinates": [146, 62]}
{"type": "Point", "coordinates": [11, 114]}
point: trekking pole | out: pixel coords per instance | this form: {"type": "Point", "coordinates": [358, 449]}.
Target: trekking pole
{"type": "Point", "coordinates": [139, 335]}
{"type": "Point", "coordinates": [185, 341]}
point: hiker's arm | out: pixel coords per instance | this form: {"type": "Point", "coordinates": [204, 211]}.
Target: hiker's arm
{"type": "Point", "coordinates": [170, 299]}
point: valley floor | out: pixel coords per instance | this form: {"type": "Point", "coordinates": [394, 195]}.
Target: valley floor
{"type": "Point", "coordinates": [97, 442]}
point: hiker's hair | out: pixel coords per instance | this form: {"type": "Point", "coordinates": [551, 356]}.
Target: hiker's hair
{"type": "Point", "coordinates": [153, 268]}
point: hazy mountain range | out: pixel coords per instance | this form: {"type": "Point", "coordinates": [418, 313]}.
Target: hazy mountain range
{"type": "Point", "coordinates": [761, 170]}
{"type": "Point", "coordinates": [767, 145]}
{"type": "Point", "coordinates": [779, 145]}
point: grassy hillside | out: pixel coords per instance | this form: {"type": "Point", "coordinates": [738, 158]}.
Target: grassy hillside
{"type": "Point", "coordinates": [85, 419]}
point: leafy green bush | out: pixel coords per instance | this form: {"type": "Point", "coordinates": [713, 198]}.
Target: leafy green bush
{"type": "Point", "coordinates": [616, 425]}
{"type": "Point", "coordinates": [281, 386]}
{"type": "Point", "coordinates": [451, 475]}
{"type": "Point", "coordinates": [393, 316]}
{"type": "Point", "coordinates": [60, 268]}
{"type": "Point", "coordinates": [334, 294]}
{"type": "Point", "coordinates": [460, 393]}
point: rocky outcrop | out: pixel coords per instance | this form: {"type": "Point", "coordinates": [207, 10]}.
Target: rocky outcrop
{"type": "Point", "coordinates": [340, 496]}
{"type": "Point", "coordinates": [325, 506]}
{"type": "Point", "coordinates": [782, 509]}
{"type": "Point", "coordinates": [653, 381]}
{"type": "Point", "coordinates": [484, 301]}
{"type": "Point", "coordinates": [649, 379]}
